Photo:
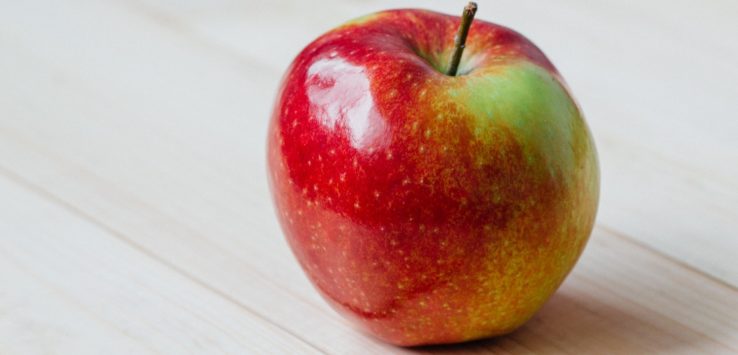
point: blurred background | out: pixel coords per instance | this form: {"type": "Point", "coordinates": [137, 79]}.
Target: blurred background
{"type": "Point", "coordinates": [135, 214]}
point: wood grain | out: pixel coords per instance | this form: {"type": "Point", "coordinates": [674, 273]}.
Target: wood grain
{"type": "Point", "coordinates": [77, 288]}
{"type": "Point", "coordinates": [135, 197]}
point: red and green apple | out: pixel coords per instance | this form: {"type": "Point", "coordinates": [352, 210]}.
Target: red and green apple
{"type": "Point", "coordinates": [431, 204]}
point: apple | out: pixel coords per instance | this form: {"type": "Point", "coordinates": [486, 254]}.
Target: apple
{"type": "Point", "coordinates": [428, 204]}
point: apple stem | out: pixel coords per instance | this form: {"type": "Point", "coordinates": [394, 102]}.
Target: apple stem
{"type": "Point", "coordinates": [460, 39]}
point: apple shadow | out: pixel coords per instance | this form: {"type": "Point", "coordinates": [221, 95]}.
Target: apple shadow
{"type": "Point", "coordinates": [573, 321]}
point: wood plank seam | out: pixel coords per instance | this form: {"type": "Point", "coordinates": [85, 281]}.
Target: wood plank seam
{"type": "Point", "coordinates": [685, 327]}
{"type": "Point", "coordinates": [682, 264]}
{"type": "Point", "coordinates": [176, 25]}
{"type": "Point", "coordinates": [83, 215]}
{"type": "Point", "coordinates": [66, 297]}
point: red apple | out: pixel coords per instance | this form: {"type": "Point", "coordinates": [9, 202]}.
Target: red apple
{"type": "Point", "coordinates": [431, 208]}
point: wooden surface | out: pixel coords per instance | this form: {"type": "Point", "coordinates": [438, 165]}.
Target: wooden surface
{"type": "Point", "coordinates": [135, 216]}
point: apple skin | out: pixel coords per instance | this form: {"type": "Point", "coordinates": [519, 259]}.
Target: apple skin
{"type": "Point", "coordinates": [428, 208]}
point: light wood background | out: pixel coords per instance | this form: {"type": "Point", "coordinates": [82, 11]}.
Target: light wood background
{"type": "Point", "coordinates": [135, 216]}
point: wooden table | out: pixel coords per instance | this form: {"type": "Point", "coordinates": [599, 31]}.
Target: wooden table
{"type": "Point", "coordinates": [135, 216]}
